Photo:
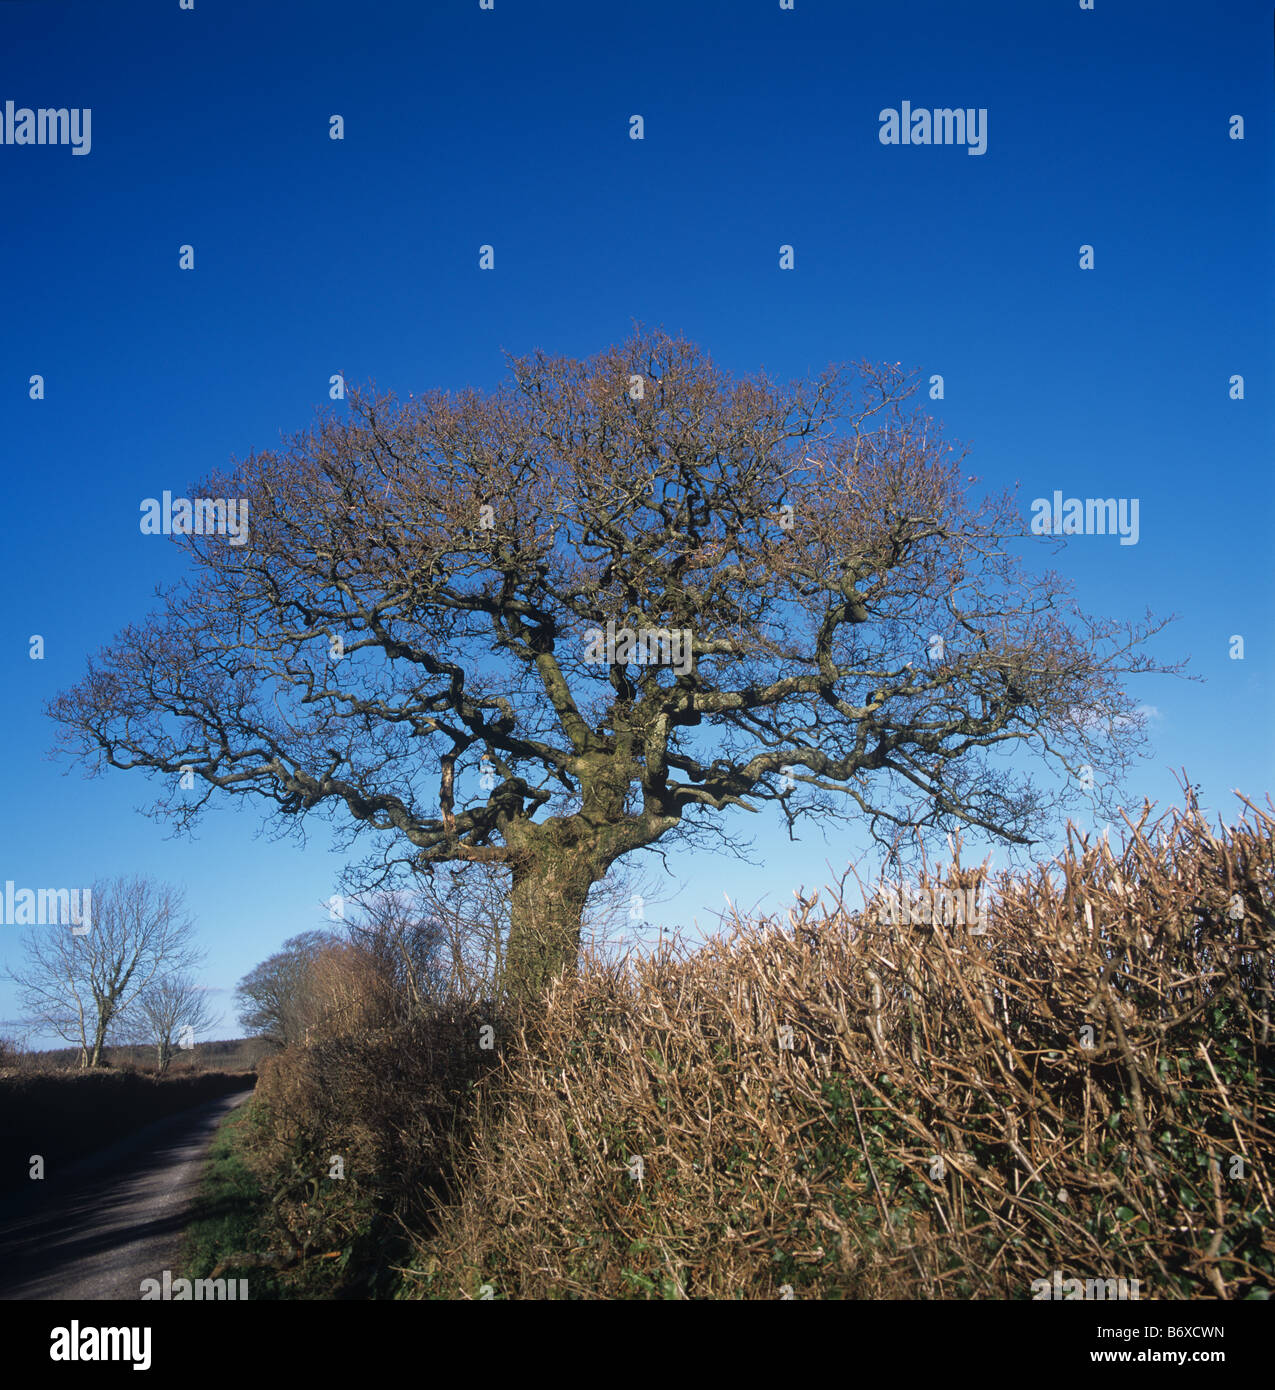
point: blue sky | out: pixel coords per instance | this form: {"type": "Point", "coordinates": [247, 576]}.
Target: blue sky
{"type": "Point", "coordinates": [210, 127]}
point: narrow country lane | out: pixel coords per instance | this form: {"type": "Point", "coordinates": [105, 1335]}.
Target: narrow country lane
{"type": "Point", "coordinates": [111, 1220]}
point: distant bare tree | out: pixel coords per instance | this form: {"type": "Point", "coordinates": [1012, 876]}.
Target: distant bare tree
{"type": "Point", "coordinates": [80, 986]}
{"type": "Point", "coordinates": [173, 1009]}
{"type": "Point", "coordinates": [272, 998]}
{"type": "Point", "coordinates": [408, 946]}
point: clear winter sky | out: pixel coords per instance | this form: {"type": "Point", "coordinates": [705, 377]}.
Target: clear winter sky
{"type": "Point", "coordinates": [210, 127]}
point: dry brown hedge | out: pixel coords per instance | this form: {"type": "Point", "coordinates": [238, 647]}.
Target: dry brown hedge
{"type": "Point", "coordinates": [1085, 1087]}
{"type": "Point", "coordinates": [390, 1100]}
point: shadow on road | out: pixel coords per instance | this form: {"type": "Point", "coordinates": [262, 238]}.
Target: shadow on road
{"type": "Point", "coordinates": [105, 1223]}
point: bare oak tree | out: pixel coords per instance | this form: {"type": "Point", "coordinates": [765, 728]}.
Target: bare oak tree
{"type": "Point", "coordinates": [81, 986]}
{"type": "Point", "coordinates": [584, 614]}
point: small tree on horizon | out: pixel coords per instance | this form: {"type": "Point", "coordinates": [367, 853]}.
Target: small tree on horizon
{"type": "Point", "coordinates": [272, 999]}
{"type": "Point", "coordinates": [169, 1012]}
{"type": "Point", "coordinates": [420, 632]}
{"type": "Point", "coordinates": [82, 986]}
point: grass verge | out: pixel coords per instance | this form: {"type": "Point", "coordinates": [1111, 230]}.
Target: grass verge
{"type": "Point", "coordinates": [226, 1237]}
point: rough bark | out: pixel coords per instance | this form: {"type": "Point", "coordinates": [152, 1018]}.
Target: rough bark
{"type": "Point", "coordinates": [548, 895]}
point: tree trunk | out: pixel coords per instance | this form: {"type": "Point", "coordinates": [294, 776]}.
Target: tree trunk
{"type": "Point", "coordinates": [551, 883]}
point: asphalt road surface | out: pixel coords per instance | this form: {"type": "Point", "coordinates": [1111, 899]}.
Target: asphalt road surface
{"type": "Point", "coordinates": [112, 1219]}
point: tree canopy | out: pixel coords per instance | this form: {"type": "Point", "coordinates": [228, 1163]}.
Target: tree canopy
{"type": "Point", "coordinates": [586, 612]}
